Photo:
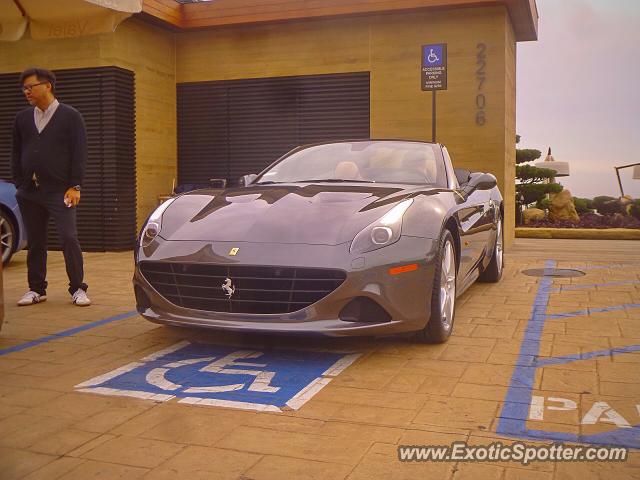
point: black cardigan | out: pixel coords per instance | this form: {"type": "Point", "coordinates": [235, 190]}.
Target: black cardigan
{"type": "Point", "coordinates": [57, 155]}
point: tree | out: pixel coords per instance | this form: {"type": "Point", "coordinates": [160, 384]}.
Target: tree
{"type": "Point", "coordinates": [524, 155]}
{"type": "Point", "coordinates": [532, 180]}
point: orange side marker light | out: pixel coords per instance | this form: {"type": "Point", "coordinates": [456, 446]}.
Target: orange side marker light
{"type": "Point", "coordinates": [404, 268]}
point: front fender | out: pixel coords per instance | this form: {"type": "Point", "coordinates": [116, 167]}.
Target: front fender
{"type": "Point", "coordinates": [429, 213]}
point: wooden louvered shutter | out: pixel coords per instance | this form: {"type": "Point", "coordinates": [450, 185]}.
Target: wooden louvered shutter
{"type": "Point", "coordinates": [230, 128]}
{"type": "Point", "coordinates": [105, 98]}
{"type": "Point", "coordinates": [334, 107]}
{"type": "Point", "coordinates": [202, 132]}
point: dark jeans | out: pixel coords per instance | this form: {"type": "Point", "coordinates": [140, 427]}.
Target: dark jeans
{"type": "Point", "coordinates": [36, 207]}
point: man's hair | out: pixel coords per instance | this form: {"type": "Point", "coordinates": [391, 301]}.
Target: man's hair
{"type": "Point", "coordinates": [41, 74]}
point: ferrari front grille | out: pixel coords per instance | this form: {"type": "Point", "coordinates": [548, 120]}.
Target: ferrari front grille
{"type": "Point", "coordinates": [240, 288]}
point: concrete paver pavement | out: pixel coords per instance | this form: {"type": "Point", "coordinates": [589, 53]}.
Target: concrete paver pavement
{"type": "Point", "coordinates": [566, 369]}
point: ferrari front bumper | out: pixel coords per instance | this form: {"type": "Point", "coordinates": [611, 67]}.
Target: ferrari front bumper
{"type": "Point", "coordinates": [405, 297]}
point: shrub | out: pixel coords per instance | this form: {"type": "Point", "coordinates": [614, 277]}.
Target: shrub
{"type": "Point", "coordinates": [533, 192]}
{"type": "Point", "coordinates": [635, 209]}
{"type": "Point", "coordinates": [543, 203]}
{"type": "Point", "coordinates": [592, 220]}
{"type": "Point", "coordinates": [583, 205]}
{"type": "Point", "coordinates": [606, 205]}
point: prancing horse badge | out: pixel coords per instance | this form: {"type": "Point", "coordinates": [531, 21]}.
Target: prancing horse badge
{"type": "Point", "coordinates": [234, 251]}
{"type": "Point", "coordinates": [228, 288]}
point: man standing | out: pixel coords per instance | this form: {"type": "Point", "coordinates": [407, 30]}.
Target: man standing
{"type": "Point", "coordinates": [48, 161]}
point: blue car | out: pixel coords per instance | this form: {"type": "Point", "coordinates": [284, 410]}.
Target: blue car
{"type": "Point", "coordinates": [13, 236]}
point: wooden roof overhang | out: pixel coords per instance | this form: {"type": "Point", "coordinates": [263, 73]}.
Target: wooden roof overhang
{"type": "Point", "coordinates": [201, 15]}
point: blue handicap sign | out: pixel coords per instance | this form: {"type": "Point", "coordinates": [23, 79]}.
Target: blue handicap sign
{"type": "Point", "coordinates": [224, 375]}
{"type": "Point", "coordinates": [432, 55]}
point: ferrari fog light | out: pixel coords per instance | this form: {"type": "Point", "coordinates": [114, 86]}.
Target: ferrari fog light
{"type": "Point", "coordinates": [381, 235]}
{"type": "Point", "coordinates": [363, 309]}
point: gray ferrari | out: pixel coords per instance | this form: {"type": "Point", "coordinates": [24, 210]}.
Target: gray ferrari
{"type": "Point", "coordinates": [366, 237]}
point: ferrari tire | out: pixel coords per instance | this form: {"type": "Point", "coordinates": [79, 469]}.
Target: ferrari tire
{"type": "Point", "coordinates": [443, 293]}
{"type": "Point", "coordinates": [493, 272]}
{"type": "Point", "coordinates": [7, 237]}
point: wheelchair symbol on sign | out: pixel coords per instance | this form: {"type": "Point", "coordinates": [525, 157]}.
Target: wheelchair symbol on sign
{"type": "Point", "coordinates": [432, 58]}
{"type": "Point", "coordinates": [225, 365]}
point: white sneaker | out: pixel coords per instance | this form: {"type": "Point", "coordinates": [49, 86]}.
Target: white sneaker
{"type": "Point", "coordinates": [80, 298]}
{"type": "Point", "coordinates": [31, 298]}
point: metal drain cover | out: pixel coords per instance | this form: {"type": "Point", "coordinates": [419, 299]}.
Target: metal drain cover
{"type": "Point", "coordinates": [553, 272]}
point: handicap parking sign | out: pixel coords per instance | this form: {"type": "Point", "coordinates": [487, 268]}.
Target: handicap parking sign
{"type": "Point", "coordinates": [274, 380]}
{"type": "Point", "coordinates": [432, 55]}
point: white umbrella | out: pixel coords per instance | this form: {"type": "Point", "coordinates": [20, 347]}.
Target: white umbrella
{"type": "Point", "coordinates": [561, 168]}
{"type": "Point", "coordinates": [63, 18]}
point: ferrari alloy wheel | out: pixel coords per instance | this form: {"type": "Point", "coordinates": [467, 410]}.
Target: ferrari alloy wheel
{"type": "Point", "coordinates": [7, 235]}
{"type": "Point", "coordinates": [443, 296]}
{"type": "Point", "coordinates": [499, 246]}
{"type": "Point", "coordinates": [447, 285]}
{"type": "Point", "coordinates": [493, 272]}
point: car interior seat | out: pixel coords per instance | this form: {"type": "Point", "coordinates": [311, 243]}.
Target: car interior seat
{"type": "Point", "coordinates": [347, 171]}
{"type": "Point", "coordinates": [419, 163]}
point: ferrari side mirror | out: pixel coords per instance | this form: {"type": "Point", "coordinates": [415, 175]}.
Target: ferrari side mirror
{"type": "Point", "coordinates": [247, 179]}
{"type": "Point", "coordinates": [483, 181]}
{"type": "Point", "coordinates": [480, 181]}
{"type": "Point", "coordinates": [218, 182]}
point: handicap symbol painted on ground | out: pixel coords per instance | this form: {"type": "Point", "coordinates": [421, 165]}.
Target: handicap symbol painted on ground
{"type": "Point", "coordinates": [197, 373]}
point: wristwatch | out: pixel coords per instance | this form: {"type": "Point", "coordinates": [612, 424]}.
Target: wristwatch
{"type": "Point", "coordinates": [77, 187]}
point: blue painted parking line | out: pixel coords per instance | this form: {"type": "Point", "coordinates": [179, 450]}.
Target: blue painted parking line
{"type": "Point", "coordinates": [516, 405]}
{"type": "Point", "coordinates": [579, 313]}
{"type": "Point", "coordinates": [198, 373]}
{"type": "Point", "coordinates": [66, 333]}
{"type": "Point", "coordinates": [564, 288]}
{"type": "Point", "coordinates": [586, 356]}
{"type": "Point", "coordinates": [520, 404]}
{"type": "Point", "coordinates": [605, 267]}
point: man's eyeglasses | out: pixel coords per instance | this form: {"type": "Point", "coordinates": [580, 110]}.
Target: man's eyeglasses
{"type": "Point", "coordinates": [27, 88]}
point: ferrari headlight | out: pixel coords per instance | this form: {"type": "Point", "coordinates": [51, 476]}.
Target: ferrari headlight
{"type": "Point", "coordinates": [154, 223]}
{"type": "Point", "coordinates": [383, 232]}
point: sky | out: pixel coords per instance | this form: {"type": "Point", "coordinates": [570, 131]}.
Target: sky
{"type": "Point", "coordinates": [578, 92]}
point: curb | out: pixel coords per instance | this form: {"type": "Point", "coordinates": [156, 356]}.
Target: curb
{"type": "Point", "coordinates": [580, 233]}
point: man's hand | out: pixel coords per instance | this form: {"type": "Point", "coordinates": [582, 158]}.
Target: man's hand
{"type": "Point", "coordinates": [72, 197]}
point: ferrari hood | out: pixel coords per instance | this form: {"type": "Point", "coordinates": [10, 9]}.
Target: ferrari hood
{"type": "Point", "coordinates": [325, 214]}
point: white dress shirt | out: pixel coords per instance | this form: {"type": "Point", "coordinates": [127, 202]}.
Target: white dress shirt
{"type": "Point", "coordinates": [41, 118]}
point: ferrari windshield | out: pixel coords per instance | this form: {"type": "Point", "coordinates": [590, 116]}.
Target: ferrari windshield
{"type": "Point", "coordinates": [365, 161]}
